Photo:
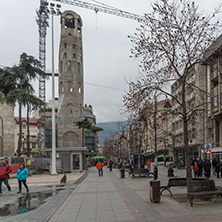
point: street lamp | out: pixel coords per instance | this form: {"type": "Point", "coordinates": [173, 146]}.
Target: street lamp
{"type": "Point", "coordinates": [166, 105]}
{"type": "Point", "coordinates": [53, 12]}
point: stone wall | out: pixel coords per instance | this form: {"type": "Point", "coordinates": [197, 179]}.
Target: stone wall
{"type": "Point", "coordinates": [6, 130]}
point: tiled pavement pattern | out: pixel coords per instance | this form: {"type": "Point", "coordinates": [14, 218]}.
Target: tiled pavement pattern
{"type": "Point", "coordinates": [108, 198]}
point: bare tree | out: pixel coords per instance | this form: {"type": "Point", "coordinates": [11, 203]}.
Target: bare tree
{"type": "Point", "coordinates": [168, 42]}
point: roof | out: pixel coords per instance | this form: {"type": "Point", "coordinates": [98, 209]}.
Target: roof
{"type": "Point", "coordinates": [213, 48]}
{"type": "Point", "coordinates": [68, 149]}
{"type": "Point", "coordinates": [31, 120]}
{"type": "Point", "coordinates": [162, 102]}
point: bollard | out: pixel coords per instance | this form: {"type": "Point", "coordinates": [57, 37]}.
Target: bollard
{"type": "Point", "coordinates": [155, 176]}
{"type": "Point", "coordinates": [122, 173]}
{"type": "Point", "coordinates": [155, 191]}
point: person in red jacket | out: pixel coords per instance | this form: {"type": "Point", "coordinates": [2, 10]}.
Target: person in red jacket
{"type": "Point", "coordinates": [5, 169]}
{"type": "Point", "coordinates": [100, 166]}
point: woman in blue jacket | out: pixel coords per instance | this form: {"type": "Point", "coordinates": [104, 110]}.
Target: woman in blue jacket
{"type": "Point", "coordinates": [22, 174]}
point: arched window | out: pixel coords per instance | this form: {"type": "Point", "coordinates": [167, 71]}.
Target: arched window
{"type": "Point", "coordinates": [61, 68]}
{"type": "Point", "coordinates": [78, 67]}
{"type": "Point", "coordinates": [65, 55]}
{"type": "Point", "coordinates": [70, 86]}
{"type": "Point", "coordinates": [65, 45]}
{"type": "Point", "coordinates": [69, 21]}
{"type": "Point", "coordinates": [69, 65]}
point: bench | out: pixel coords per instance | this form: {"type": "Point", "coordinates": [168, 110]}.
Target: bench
{"type": "Point", "coordinates": [176, 182]}
{"type": "Point", "coordinates": [142, 171]}
{"type": "Point", "coordinates": [203, 188]}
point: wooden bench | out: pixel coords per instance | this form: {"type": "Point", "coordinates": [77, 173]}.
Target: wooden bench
{"type": "Point", "coordinates": [202, 188]}
{"type": "Point", "coordinates": [176, 182]}
{"type": "Point", "coordinates": [140, 172]}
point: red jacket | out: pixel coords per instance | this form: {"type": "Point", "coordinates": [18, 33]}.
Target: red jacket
{"type": "Point", "coordinates": [4, 171]}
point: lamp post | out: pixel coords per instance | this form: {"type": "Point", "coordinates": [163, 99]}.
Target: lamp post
{"type": "Point", "coordinates": [53, 12]}
{"type": "Point", "coordinates": [166, 105]}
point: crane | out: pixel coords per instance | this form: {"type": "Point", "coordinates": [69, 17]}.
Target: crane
{"type": "Point", "coordinates": [99, 8]}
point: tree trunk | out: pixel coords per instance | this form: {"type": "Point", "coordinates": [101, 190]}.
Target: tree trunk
{"type": "Point", "coordinates": [20, 131]}
{"type": "Point", "coordinates": [186, 134]}
{"type": "Point", "coordinates": [28, 132]}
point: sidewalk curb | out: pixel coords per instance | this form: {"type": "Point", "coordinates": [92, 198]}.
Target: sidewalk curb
{"type": "Point", "coordinates": [77, 183]}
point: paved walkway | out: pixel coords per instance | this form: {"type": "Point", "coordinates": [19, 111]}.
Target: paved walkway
{"type": "Point", "coordinates": [109, 198]}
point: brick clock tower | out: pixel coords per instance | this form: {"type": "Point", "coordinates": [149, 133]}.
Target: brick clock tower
{"type": "Point", "coordinates": [70, 108]}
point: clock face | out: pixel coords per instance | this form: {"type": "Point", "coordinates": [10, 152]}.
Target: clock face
{"type": "Point", "coordinates": [69, 21]}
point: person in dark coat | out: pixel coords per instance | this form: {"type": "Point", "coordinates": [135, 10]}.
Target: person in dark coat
{"type": "Point", "coordinates": [207, 168]}
{"type": "Point", "coordinates": [217, 168]}
{"type": "Point", "coordinates": [200, 167]}
{"type": "Point", "coordinates": [170, 171]}
{"type": "Point", "coordinates": [214, 165]}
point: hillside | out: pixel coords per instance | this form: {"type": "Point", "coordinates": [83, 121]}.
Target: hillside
{"type": "Point", "coordinates": [110, 130]}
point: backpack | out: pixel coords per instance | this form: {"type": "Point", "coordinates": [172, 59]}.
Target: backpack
{"type": "Point", "coordinates": [196, 167]}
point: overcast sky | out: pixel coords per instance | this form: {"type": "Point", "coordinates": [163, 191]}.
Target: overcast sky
{"type": "Point", "coordinates": [106, 48]}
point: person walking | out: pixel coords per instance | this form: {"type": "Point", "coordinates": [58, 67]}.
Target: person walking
{"type": "Point", "coordinates": [217, 167]}
{"type": "Point", "coordinates": [196, 169]}
{"type": "Point", "coordinates": [110, 165]}
{"type": "Point", "coordinates": [5, 169]}
{"type": "Point", "coordinates": [148, 162]}
{"type": "Point", "coordinates": [100, 166]}
{"type": "Point", "coordinates": [200, 167]}
{"type": "Point", "coordinates": [22, 175]}
{"type": "Point", "coordinates": [207, 168]}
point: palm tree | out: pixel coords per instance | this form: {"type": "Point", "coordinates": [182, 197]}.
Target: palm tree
{"type": "Point", "coordinates": [24, 98]}
{"type": "Point", "coordinates": [86, 124]}
{"type": "Point", "coordinates": [28, 70]}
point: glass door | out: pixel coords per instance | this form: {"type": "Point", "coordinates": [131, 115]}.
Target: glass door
{"type": "Point", "coordinates": [76, 162]}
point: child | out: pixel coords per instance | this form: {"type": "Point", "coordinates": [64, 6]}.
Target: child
{"type": "Point", "coordinates": [22, 174]}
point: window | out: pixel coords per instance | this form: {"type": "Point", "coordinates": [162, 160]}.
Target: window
{"type": "Point", "coordinates": [215, 101]}
{"type": "Point", "coordinates": [73, 46]}
{"type": "Point", "coordinates": [65, 45]}
{"type": "Point", "coordinates": [78, 67]}
{"type": "Point", "coordinates": [74, 55]}
{"type": "Point", "coordinates": [65, 55]}
{"type": "Point", "coordinates": [69, 34]}
{"type": "Point", "coordinates": [33, 145]}
{"type": "Point", "coordinates": [69, 21]}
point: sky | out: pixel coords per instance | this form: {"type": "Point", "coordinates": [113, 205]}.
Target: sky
{"type": "Point", "coordinates": [106, 48]}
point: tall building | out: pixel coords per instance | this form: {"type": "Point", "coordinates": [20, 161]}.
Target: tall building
{"type": "Point", "coordinates": [212, 58]}
{"type": "Point", "coordinates": [70, 108]}
{"type": "Point", "coordinates": [195, 104]}
{"type": "Point", "coordinates": [90, 137]}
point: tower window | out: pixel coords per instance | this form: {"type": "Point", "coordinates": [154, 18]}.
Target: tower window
{"type": "Point", "coordinates": [74, 55]}
{"type": "Point", "coordinates": [78, 67]}
{"type": "Point", "coordinates": [79, 90]}
{"type": "Point", "coordinates": [69, 34]}
{"type": "Point", "coordinates": [65, 55]}
{"type": "Point", "coordinates": [65, 45]}
{"type": "Point", "coordinates": [69, 21]}
{"type": "Point", "coordinates": [73, 46]}
{"type": "Point", "coordinates": [71, 90]}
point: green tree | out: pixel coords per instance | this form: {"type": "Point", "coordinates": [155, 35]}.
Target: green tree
{"type": "Point", "coordinates": [17, 87]}
{"type": "Point", "coordinates": [86, 124]}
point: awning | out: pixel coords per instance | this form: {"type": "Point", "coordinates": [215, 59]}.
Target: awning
{"type": "Point", "coordinates": [216, 150]}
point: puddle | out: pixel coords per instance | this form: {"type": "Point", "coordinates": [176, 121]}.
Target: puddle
{"type": "Point", "coordinates": [26, 203]}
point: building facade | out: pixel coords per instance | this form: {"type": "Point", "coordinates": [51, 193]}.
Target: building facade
{"type": "Point", "coordinates": [91, 140]}
{"type": "Point", "coordinates": [195, 96]}
{"type": "Point", "coordinates": [34, 136]}
{"type": "Point", "coordinates": [7, 130]}
{"type": "Point", "coordinates": [212, 59]}
{"type": "Point", "coordinates": [70, 108]}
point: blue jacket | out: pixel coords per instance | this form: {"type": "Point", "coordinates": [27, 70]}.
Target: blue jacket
{"type": "Point", "coordinates": [22, 174]}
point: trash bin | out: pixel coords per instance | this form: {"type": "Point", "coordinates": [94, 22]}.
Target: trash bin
{"type": "Point", "coordinates": [155, 191]}
{"type": "Point", "coordinates": [122, 173]}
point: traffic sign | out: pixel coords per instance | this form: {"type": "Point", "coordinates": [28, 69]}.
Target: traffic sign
{"type": "Point", "coordinates": [208, 152]}
{"type": "Point", "coordinates": [208, 146]}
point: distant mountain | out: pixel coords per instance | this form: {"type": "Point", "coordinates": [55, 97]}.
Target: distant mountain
{"type": "Point", "coordinates": [111, 129]}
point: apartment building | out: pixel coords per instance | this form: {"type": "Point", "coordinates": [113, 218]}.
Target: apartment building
{"type": "Point", "coordinates": [212, 58]}
{"type": "Point", "coordinates": [33, 131]}
{"type": "Point", "coordinates": [195, 97]}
